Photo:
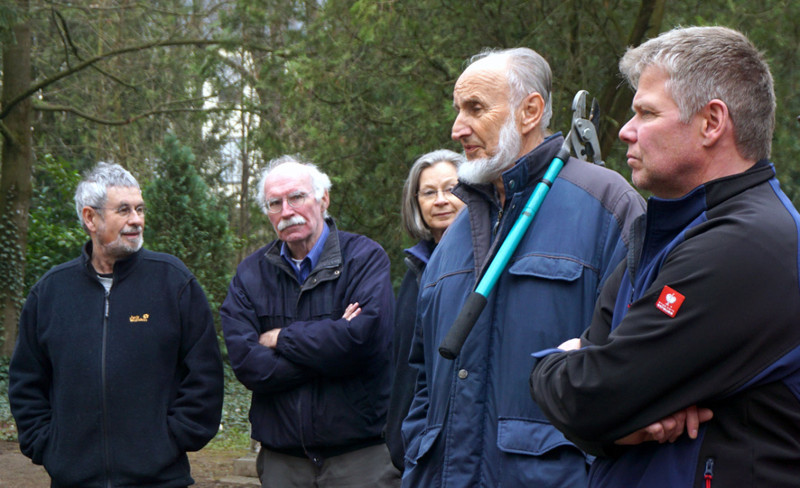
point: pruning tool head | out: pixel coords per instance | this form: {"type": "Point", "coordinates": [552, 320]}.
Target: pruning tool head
{"type": "Point", "coordinates": [582, 137]}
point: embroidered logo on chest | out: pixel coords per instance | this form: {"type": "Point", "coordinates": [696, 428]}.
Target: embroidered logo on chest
{"type": "Point", "coordinates": [670, 301]}
{"type": "Point", "coordinates": [140, 318]}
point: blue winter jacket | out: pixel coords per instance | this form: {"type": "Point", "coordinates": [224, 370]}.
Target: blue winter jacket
{"type": "Point", "coordinates": [113, 389]}
{"type": "Point", "coordinates": [325, 389]}
{"type": "Point", "coordinates": [472, 422]}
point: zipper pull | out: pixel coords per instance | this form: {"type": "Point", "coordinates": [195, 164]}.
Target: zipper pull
{"type": "Point", "coordinates": [709, 473]}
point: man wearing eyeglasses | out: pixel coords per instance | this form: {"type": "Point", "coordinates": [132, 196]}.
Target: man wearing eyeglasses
{"type": "Point", "coordinates": [308, 323]}
{"type": "Point", "coordinates": [117, 371]}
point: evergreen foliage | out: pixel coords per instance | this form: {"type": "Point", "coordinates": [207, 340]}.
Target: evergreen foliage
{"type": "Point", "coordinates": [55, 236]}
{"type": "Point", "coordinates": [359, 87]}
{"type": "Point", "coordinates": [186, 219]}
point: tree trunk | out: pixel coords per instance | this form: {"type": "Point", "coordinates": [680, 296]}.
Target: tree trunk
{"type": "Point", "coordinates": [15, 180]}
{"type": "Point", "coordinates": [616, 100]}
{"type": "Point", "coordinates": [244, 200]}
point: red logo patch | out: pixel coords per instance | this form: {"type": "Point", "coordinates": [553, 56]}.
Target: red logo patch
{"type": "Point", "coordinates": [670, 301]}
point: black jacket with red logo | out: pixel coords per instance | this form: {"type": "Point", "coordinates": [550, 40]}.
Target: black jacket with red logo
{"type": "Point", "coordinates": [708, 314]}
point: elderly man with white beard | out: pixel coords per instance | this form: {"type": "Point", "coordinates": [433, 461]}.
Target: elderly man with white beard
{"type": "Point", "coordinates": [308, 324]}
{"type": "Point", "coordinates": [472, 421]}
{"type": "Point", "coordinates": [117, 371]}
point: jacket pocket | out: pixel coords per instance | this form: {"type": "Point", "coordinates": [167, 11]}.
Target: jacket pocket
{"type": "Point", "coordinates": [536, 453]}
{"type": "Point", "coordinates": [529, 437]}
{"type": "Point", "coordinates": [422, 444]}
{"type": "Point", "coordinates": [547, 267]}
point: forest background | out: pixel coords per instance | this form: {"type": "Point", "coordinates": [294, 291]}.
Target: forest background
{"type": "Point", "coordinates": [196, 96]}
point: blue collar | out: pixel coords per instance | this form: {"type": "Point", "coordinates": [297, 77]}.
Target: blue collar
{"type": "Point", "coordinates": [312, 258]}
{"type": "Point", "coordinates": [422, 251]}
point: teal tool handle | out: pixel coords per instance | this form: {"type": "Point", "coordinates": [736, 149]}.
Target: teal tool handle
{"type": "Point", "coordinates": [451, 345]}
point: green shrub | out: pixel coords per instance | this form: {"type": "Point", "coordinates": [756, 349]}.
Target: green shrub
{"type": "Point", "coordinates": [234, 432]}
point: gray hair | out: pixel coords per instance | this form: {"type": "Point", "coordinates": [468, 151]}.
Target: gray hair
{"type": "Point", "coordinates": [92, 191]}
{"type": "Point", "coordinates": [319, 180]}
{"type": "Point", "coordinates": [528, 72]}
{"type": "Point", "coordinates": [410, 211]}
{"type": "Point", "coordinates": [706, 63]}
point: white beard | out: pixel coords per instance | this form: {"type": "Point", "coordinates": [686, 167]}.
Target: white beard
{"type": "Point", "coordinates": [487, 170]}
{"type": "Point", "coordinates": [121, 247]}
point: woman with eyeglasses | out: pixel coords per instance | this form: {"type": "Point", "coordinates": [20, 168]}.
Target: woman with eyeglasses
{"type": "Point", "coordinates": [428, 208]}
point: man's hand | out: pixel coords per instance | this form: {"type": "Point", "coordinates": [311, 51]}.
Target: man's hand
{"type": "Point", "coordinates": [269, 338]}
{"type": "Point", "coordinates": [670, 427]}
{"type": "Point", "coordinates": [351, 311]}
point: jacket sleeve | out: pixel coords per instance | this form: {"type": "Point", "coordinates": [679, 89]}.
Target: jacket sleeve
{"type": "Point", "coordinates": [195, 414]}
{"type": "Point", "coordinates": [338, 347]}
{"type": "Point", "coordinates": [30, 377]}
{"type": "Point", "coordinates": [737, 319]}
{"type": "Point", "coordinates": [258, 367]}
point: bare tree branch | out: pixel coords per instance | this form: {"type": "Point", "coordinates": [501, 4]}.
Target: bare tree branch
{"type": "Point", "coordinates": [616, 102]}
{"type": "Point", "coordinates": [46, 107]}
{"type": "Point", "coordinates": [117, 52]}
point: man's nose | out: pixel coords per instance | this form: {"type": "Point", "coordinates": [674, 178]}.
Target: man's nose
{"type": "Point", "coordinates": [627, 133]}
{"type": "Point", "coordinates": [135, 218]}
{"type": "Point", "coordinates": [460, 128]}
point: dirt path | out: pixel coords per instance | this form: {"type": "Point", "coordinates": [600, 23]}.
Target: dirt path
{"type": "Point", "coordinates": [209, 468]}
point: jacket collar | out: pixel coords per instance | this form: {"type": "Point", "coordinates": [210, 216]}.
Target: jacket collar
{"type": "Point", "coordinates": [330, 258]}
{"type": "Point", "coordinates": [417, 257]}
{"type": "Point", "coordinates": [666, 218]}
{"type": "Point", "coordinates": [422, 250]}
{"type": "Point", "coordinates": [332, 253]}
{"type": "Point", "coordinates": [122, 267]}
{"type": "Point", "coordinates": [483, 207]}
{"type": "Point", "coordinates": [530, 168]}
{"type": "Point", "coordinates": [526, 172]}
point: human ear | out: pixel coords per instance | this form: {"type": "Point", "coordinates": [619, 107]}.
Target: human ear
{"type": "Point", "coordinates": [87, 215]}
{"type": "Point", "coordinates": [532, 109]}
{"type": "Point", "coordinates": [716, 121]}
{"type": "Point", "coordinates": [326, 200]}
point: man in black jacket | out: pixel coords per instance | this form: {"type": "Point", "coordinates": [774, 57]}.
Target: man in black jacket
{"type": "Point", "coordinates": [117, 371]}
{"type": "Point", "coordinates": [705, 312]}
{"type": "Point", "coordinates": [308, 325]}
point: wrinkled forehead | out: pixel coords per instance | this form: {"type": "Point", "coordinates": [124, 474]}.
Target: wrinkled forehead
{"type": "Point", "coordinates": [484, 80]}
{"type": "Point", "coordinates": [287, 178]}
{"type": "Point", "coordinates": [123, 195]}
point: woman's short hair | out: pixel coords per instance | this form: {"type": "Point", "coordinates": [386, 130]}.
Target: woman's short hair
{"type": "Point", "coordinates": [410, 211]}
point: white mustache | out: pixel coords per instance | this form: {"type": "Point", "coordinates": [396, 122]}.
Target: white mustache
{"type": "Point", "coordinates": [134, 228]}
{"type": "Point", "coordinates": [296, 220]}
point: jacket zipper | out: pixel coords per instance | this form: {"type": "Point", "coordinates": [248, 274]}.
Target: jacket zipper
{"type": "Point", "coordinates": [630, 299]}
{"type": "Point", "coordinates": [709, 473]}
{"type": "Point", "coordinates": [496, 226]}
{"type": "Point", "coordinates": [107, 456]}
